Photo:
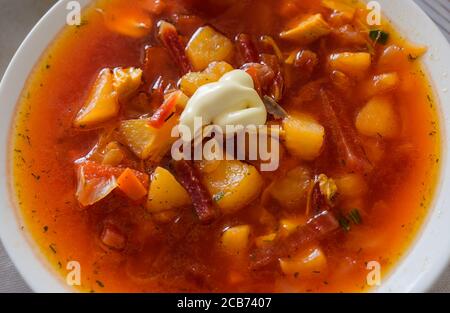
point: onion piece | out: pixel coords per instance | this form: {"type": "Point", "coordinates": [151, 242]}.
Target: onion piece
{"type": "Point", "coordinates": [274, 109]}
{"type": "Point", "coordinates": [93, 190]}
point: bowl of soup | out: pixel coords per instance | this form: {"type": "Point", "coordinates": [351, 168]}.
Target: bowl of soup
{"type": "Point", "coordinates": [245, 146]}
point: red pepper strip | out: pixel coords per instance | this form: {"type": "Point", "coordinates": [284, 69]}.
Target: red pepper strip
{"type": "Point", "coordinates": [189, 177]}
{"type": "Point", "coordinates": [318, 227]}
{"type": "Point", "coordinates": [348, 145]}
{"type": "Point", "coordinates": [168, 34]}
{"type": "Point", "coordinates": [247, 49]}
{"type": "Point", "coordinates": [163, 113]}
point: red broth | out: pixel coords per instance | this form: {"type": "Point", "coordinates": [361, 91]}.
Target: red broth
{"type": "Point", "coordinates": [184, 255]}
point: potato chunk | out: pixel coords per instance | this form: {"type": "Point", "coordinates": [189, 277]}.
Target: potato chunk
{"type": "Point", "coordinates": [308, 30]}
{"type": "Point", "coordinates": [127, 81]}
{"type": "Point", "coordinates": [378, 118]}
{"type": "Point", "coordinates": [303, 136]}
{"type": "Point", "coordinates": [289, 225]}
{"type": "Point", "coordinates": [290, 191]}
{"type": "Point", "coordinates": [351, 185]}
{"type": "Point", "coordinates": [109, 89]}
{"type": "Point", "coordinates": [233, 185]}
{"type": "Point", "coordinates": [165, 192]}
{"type": "Point", "coordinates": [113, 154]}
{"type": "Point", "coordinates": [307, 263]}
{"type": "Point", "coordinates": [190, 82]}
{"type": "Point", "coordinates": [206, 46]}
{"type": "Point", "coordinates": [354, 64]}
{"type": "Point", "coordinates": [102, 103]}
{"type": "Point", "coordinates": [235, 239]}
{"type": "Point", "coordinates": [144, 140]}
{"type": "Point", "coordinates": [380, 84]}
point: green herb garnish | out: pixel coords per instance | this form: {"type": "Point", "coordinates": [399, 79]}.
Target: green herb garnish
{"type": "Point", "coordinates": [354, 216]}
{"type": "Point", "coordinates": [218, 196]}
{"type": "Point", "coordinates": [379, 36]}
{"type": "Point", "coordinates": [344, 223]}
{"type": "Point", "coordinates": [52, 247]}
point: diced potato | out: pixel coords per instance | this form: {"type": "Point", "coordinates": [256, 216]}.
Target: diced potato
{"type": "Point", "coordinates": [233, 185]}
{"type": "Point", "coordinates": [413, 50]}
{"type": "Point", "coordinates": [308, 30]}
{"type": "Point", "coordinates": [351, 185]}
{"type": "Point", "coordinates": [165, 192]}
{"type": "Point", "coordinates": [144, 140]}
{"type": "Point", "coordinates": [261, 241]}
{"type": "Point", "coordinates": [102, 104]}
{"type": "Point", "coordinates": [346, 7]}
{"type": "Point", "coordinates": [303, 136]}
{"type": "Point", "coordinates": [127, 81]}
{"type": "Point", "coordinates": [392, 58]}
{"type": "Point", "coordinates": [235, 239]}
{"type": "Point", "coordinates": [113, 154]}
{"type": "Point", "coordinates": [290, 191]}
{"type": "Point", "coordinates": [289, 225]}
{"type": "Point", "coordinates": [206, 46]}
{"type": "Point", "coordinates": [378, 118]}
{"type": "Point", "coordinates": [190, 82]}
{"type": "Point", "coordinates": [208, 166]}
{"type": "Point", "coordinates": [354, 64]}
{"type": "Point", "coordinates": [380, 84]}
{"type": "Point", "coordinates": [310, 262]}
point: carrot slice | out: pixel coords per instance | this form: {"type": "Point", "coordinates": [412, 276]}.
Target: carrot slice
{"type": "Point", "coordinates": [131, 185]}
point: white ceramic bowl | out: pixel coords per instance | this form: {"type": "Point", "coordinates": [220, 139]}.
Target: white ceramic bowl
{"type": "Point", "coordinates": [416, 272]}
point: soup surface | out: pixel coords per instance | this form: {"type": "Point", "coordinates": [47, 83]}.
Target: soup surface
{"type": "Point", "coordinates": [97, 183]}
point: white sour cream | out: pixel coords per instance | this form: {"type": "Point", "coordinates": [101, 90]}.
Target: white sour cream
{"type": "Point", "coordinates": [232, 100]}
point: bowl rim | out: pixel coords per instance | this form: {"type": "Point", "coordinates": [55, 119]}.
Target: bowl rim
{"type": "Point", "coordinates": [414, 272]}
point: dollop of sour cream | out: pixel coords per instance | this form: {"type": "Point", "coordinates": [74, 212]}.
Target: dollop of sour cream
{"type": "Point", "coordinates": [232, 100]}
